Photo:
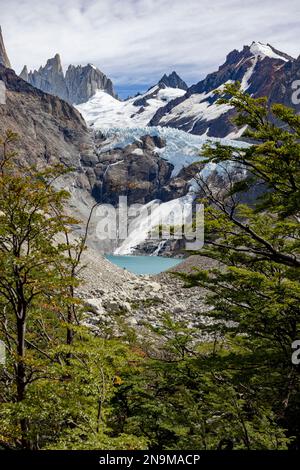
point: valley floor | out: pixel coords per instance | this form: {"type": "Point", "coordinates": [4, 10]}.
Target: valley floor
{"type": "Point", "coordinates": [113, 294]}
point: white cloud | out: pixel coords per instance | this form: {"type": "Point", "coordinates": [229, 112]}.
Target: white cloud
{"type": "Point", "coordinates": [136, 41]}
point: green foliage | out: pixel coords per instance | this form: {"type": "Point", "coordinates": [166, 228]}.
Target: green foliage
{"type": "Point", "coordinates": [227, 383]}
{"type": "Point", "coordinates": [58, 380]}
{"type": "Point", "coordinates": [192, 397]}
{"type": "Point", "coordinates": [254, 298]}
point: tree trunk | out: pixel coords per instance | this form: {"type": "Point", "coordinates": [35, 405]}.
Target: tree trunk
{"type": "Point", "coordinates": [21, 375]}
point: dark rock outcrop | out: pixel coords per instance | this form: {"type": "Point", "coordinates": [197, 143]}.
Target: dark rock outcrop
{"type": "Point", "coordinates": [138, 172]}
{"type": "Point", "coordinates": [76, 86]}
{"type": "Point", "coordinates": [174, 81]}
{"type": "Point", "coordinates": [135, 171]}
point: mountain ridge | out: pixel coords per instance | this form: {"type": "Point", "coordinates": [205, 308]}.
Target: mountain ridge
{"type": "Point", "coordinates": [76, 86]}
{"type": "Point", "coordinates": [257, 67]}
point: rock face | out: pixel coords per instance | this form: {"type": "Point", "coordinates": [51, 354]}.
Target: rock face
{"type": "Point", "coordinates": [4, 60]}
{"type": "Point", "coordinates": [50, 130]}
{"type": "Point", "coordinates": [83, 82]}
{"type": "Point", "coordinates": [76, 86]}
{"type": "Point", "coordinates": [136, 171]}
{"type": "Point", "coordinates": [173, 81]}
{"type": "Point", "coordinates": [258, 67]}
{"type": "Point", "coordinates": [286, 90]}
{"type": "Point", "coordinates": [49, 79]}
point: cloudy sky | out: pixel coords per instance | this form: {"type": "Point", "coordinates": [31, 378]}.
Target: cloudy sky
{"type": "Point", "coordinates": [136, 41]}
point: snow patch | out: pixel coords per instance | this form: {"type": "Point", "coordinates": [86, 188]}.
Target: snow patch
{"type": "Point", "coordinates": [196, 107]}
{"type": "Point", "coordinates": [264, 50]}
{"type": "Point", "coordinates": [246, 78]}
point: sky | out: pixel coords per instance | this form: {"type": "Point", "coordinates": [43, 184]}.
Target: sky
{"type": "Point", "coordinates": [135, 42]}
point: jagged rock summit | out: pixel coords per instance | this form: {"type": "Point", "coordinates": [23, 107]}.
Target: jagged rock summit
{"type": "Point", "coordinates": [83, 82]}
{"type": "Point", "coordinates": [77, 86]}
{"type": "Point", "coordinates": [173, 81]}
{"type": "Point", "coordinates": [49, 79]}
{"type": "Point", "coordinates": [4, 60]}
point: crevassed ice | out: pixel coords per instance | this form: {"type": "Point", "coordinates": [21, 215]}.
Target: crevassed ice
{"type": "Point", "coordinates": [182, 149]}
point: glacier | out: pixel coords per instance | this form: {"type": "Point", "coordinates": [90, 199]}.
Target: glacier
{"type": "Point", "coordinates": [122, 123]}
{"type": "Point", "coordinates": [181, 150]}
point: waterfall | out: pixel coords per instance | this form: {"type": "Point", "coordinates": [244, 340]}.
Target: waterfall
{"type": "Point", "coordinates": [159, 248]}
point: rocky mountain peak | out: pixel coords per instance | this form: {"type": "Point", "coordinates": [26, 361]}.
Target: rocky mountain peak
{"type": "Point", "coordinates": [83, 82]}
{"type": "Point", "coordinates": [261, 70]}
{"type": "Point", "coordinates": [49, 78]}
{"type": "Point", "coordinates": [262, 50]}
{"type": "Point", "coordinates": [77, 86]}
{"type": "Point", "coordinates": [173, 81]}
{"type": "Point", "coordinates": [24, 73]}
{"type": "Point", "coordinates": [257, 50]}
{"type": "Point", "coordinates": [4, 60]}
{"type": "Point", "coordinates": [55, 63]}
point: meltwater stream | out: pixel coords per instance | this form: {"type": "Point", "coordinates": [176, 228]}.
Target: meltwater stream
{"type": "Point", "coordinates": [143, 264]}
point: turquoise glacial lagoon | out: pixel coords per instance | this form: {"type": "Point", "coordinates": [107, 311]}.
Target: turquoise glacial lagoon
{"type": "Point", "coordinates": [143, 264]}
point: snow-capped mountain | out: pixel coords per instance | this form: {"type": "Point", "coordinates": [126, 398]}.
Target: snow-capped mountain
{"type": "Point", "coordinates": [104, 111]}
{"type": "Point", "coordinates": [257, 67]}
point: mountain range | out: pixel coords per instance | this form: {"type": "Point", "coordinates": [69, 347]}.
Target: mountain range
{"type": "Point", "coordinates": [76, 86]}
{"type": "Point", "coordinates": [261, 69]}
{"type": "Point", "coordinates": [144, 147]}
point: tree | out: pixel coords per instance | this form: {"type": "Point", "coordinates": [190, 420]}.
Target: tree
{"type": "Point", "coordinates": [30, 265]}
{"type": "Point", "coordinates": [182, 397]}
{"type": "Point", "coordinates": [254, 297]}
{"type": "Point", "coordinates": [58, 379]}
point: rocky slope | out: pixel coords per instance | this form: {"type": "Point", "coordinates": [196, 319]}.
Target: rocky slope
{"type": "Point", "coordinates": [76, 86]}
{"type": "Point", "coordinates": [258, 67]}
{"type": "Point", "coordinates": [115, 297]}
{"type": "Point", "coordinates": [286, 88]}
{"type": "Point", "coordinates": [49, 128]}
